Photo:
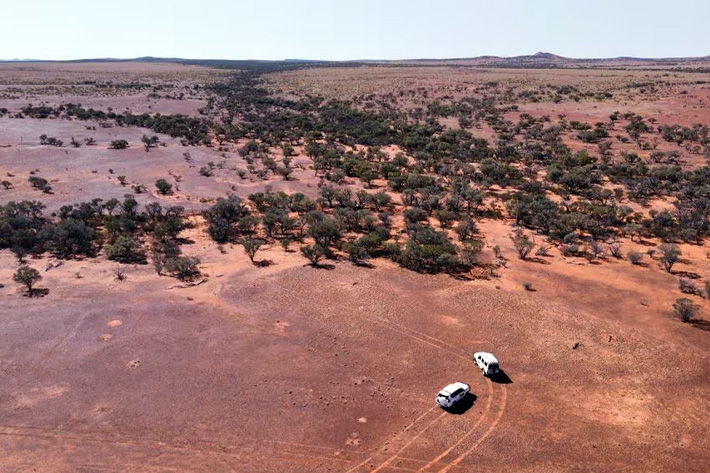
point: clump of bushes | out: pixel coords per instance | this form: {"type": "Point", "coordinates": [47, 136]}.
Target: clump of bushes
{"type": "Point", "coordinates": [118, 144]}
{"type": "Point", "coordinates": [685, 309]}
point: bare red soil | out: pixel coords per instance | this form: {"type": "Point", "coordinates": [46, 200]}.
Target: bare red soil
{"type": "Point", "coordinates": [289, 368]}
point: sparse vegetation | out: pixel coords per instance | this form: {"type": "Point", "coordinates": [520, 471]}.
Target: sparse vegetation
{"type": "Point", "coordinates": [688, 287]}
{"type": "Point", "coordinates": [150, 142]}
{"type": "Point", "coordinates": [40, 183]}
{"type": "Point", "coordinates": [163, 186]}
{"type": "Point", "coordinates": [635, 257]}
{"type": "Point", "coordinates": [314, 253]}
{"type": "Point", "coordinates": [28, 277]}
{"type": "Point", "coordinates": [118, 144]}
{"type": "Point", "coordinates": [184, 268]}
{"type": "Point", "coordinates": [670, 254]}
{"type": "Point", "coordinates": [685, 309]}
{"type": "Point", "coordinates": [432, 166]}
{"type": "Point", "coordinates": [523, 244]}
{"type": "Point", "coordinates": [251, 246]}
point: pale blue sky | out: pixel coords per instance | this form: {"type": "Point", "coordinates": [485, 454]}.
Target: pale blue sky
{"type": "Point", "coordinates": [352, 29]}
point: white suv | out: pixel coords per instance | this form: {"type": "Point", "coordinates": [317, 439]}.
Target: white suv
{"type": "Point", "coordinates": [452, 394]}
{"type": "Point", "coordinates": [487, 362]}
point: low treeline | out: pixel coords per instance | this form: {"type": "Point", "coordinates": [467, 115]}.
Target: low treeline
{"type": "Point", "coordinates": [125, 233]}
{"type": "Point", "coordinates": [193, 130]}
{"type": "Point", "coordinates": [336, 224]}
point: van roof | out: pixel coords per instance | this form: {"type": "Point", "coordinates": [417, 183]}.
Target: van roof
{"type": "Point", "coordinates": [488, 357]}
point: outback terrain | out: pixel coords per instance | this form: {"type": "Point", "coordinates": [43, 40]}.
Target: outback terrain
{"type": "Point", "coordinates": [274, 267]}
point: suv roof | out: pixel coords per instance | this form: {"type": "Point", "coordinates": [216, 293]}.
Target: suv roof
{"type": "Point", "coordinates": [452, 388]}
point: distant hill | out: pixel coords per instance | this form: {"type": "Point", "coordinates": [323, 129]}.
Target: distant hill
{"type": "Point", "coordinates": [537, 60]}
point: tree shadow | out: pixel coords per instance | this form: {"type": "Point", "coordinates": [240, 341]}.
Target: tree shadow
{"type": "Point", "coordinates": [643, 242]}
{"type": "Point", "coordinates": [537, 259]}
{"type": "Point", "coordinates": [701, 324]}
{"type": "Point", "coordinates": [326, 266]}
{"type": "Point", "coordinates": [37, 292]}
{"type": "Point", "coordinates": [461, 277]}
{"type": "Point", "coordinates": [501, 378]}
{"type": "Point", "coordinates": [364, 264]}
{"type": "Point", "coordinates": [265, 263]}
{"type": "Point", "coordinates": [686, 274]}
{"type": "Point", "coordinates": [463, 405]}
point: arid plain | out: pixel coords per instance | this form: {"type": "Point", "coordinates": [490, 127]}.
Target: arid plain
{"type": "Point", "coordinates": [279, 365]}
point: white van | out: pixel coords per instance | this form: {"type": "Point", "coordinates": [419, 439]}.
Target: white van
{"type": "Point", "coordinates": [452, 394]}
{"type": "Point", "coordinates": [487, 362]}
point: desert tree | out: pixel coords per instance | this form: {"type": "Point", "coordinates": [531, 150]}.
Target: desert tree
{"type": "Point", "coordinates": [685, 309]}
{"type": "Point", "coordinates": [40, 183]}
{"type": "Point", "coordinates": [468, 254]}
{"type": "Point", "coordinates": [251, 247]}
{"type": "Point", "coordinates": [670, 254]}
{"type": "Point", "coordinates": [314, 253]}
{"type": "Point", "coordinates": [126, 250]}
{"type": "Point", "coordinates": [466, 229]}
{"type": "Point", "coordinates": [20, 252]}
{"type": "Point", "coordinates": [183, 268]}
{"type": "Point", "coordinates": [163, 186]}
{"type": "Point", "coordinates": [150, 141]}
{"type": "Point", "coordinates": [356, 252]}
{"type": "Point", "coordinates": [224, 216]}
{"type": "Point", "coordinates": [27, 276]}
{"type": "Point", "coordinates": [285, 172]}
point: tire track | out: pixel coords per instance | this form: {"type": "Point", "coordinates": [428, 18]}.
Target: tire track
{"type": "Point", "coordinates": [304, 451]}
{"type": "Point", "coordinates": [459, 353]}
{"type": "Point", "coordinates": [467, 434]}
{"type": "Point", "coordinates": [396, 437]}
{"type": "Point", "coordinates": [411, 441]}
{"type": "Point", "coordinates": [421, 337]}
{"type": "Point", "coordinates": [461, 457]}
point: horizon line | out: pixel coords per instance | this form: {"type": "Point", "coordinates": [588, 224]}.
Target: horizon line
{"type": "Point", "coordinates": [541, 55]}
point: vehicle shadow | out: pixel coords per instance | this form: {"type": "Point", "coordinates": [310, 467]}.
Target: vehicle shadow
{"type": "Point", "coordinates": [463, 405]}
{"type": "Point", "coordinates": [501, 378]}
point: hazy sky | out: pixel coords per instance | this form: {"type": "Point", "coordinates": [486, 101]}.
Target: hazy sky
{"type": "Point", "coordinates": [352, 29]}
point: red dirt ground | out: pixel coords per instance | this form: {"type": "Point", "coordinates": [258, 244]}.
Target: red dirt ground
{"type": "Point", "coordinates": [288, 368]}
